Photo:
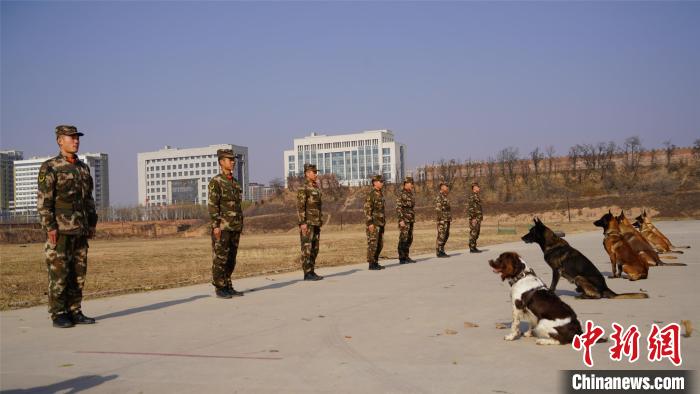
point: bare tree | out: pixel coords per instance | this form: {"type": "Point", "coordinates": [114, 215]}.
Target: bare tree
{"type": "Point", "coordinates": [606, 154]}
{"type": "Point", "coordinates": [507, 159]}
{"type": "Point", "coordinates": [536, 156]}
{"type": "Point", "coordinates": [550, 159]}
{"type": "Point", "coordinates": [632, 151]}
{"type": "Point", "coordinates": [491, 173]}
{"type": "Point", "coordinates": [668, 149]}
{"type": "Point", "coordinates": [277, 184]}
{"type": "Point", "coordinates": [574, 158]}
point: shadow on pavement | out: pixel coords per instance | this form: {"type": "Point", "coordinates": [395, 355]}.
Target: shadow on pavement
{"type": "Point", "coordinates": [151, 307]}
{"type": "Point", "coordinates": [566, 293]}
{"type": "Point", "coordinates": [74, 385]}
{"type": "Point", "coordinates": [291, 282]}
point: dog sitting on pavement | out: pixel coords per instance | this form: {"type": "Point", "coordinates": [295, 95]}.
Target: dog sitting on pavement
{"type": "Point", "coordinates": [575, 267]}
{"type": "Point", "coordinates": [622, 256]}
{"type": "Point", "coordinates": [550, 319]}
{"type": "Point", "coordinates": [655, 236]}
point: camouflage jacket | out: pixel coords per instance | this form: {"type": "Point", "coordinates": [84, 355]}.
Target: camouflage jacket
{"type": "Point", "coordinates": [65, 201]}
{"type": "Point", "coordinates": [404, 206]}
{"type": "Point", "coordinates": [374, 208]}
{"type": "Point", "coordinates": [225, 204]}
{"type": "Point", "coordinates": [442, 208]}
{"type": "Point", "coordinates": [309, 205]}
{"type": "Point", "coordinates": [474, 207]}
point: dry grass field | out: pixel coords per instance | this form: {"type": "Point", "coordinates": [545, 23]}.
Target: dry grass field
{"type": "Point", "coordinates": [128, 265]}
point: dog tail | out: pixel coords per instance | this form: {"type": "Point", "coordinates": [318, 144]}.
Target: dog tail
{"type": "Point", "coordinates": [631, 296]}
{"type": "Point", "coordinates": [624, 296]}
{"type": "Point", "coordinates": [674, 251]}
{"type": "Point", "coordinates": [681, 247]}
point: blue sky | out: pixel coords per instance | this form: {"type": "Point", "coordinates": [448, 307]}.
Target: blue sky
{"type": "Point", "coordinates": [453, 80]}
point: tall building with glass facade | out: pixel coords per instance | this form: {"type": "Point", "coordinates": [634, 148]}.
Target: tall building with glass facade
{"type": "Point", "coordinates": [353, 158]}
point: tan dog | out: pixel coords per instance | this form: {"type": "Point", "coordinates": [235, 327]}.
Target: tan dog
{"type": "Point", "coordinates": [640, 244]}
{"type": "Point", "coordinates": [621, 253]}
{"type": "Point", "coordinates": [655, 237]}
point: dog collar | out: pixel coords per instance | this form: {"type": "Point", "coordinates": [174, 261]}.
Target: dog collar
{"type": "Point", "coordinates": [527, 271]}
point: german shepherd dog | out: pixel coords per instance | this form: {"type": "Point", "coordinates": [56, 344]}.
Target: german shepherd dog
{"type": "Point", "coordinates": [640, 244]}
{"type": "Point", "coordinates": [572, 265]}
{"type": "Point", "coordinates": [621, 254]}
{"type": "Point", "coordinates": [655, 237]}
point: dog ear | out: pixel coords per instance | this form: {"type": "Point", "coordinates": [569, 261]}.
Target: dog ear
{"type": "Point", "coordinates": [609, 212]}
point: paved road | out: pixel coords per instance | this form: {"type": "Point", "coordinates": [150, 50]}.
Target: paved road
{"type": "Point", "coordinates": [356, 331]}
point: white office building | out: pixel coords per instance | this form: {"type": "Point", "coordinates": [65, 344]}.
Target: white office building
{"type": "Point", "coordinates": [353, 158]}
{"type": "Point", "coordinates": [181, 176]}
{"type": "Point", "coordinates": [26, 175]}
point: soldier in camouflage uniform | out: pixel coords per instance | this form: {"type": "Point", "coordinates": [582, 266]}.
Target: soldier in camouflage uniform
{"type": "Point", "coordinates": [444, 217]}
{"type": "Point", "coordinates": [310, 221]}
{"type": "Point", "coordinates": [475, 216]}
{"type": "Point", "coordinates": [67, 211]}
{"type": "Point", "coordinates": [405, 204]}
{"type": "Point", "coordinates": [226, 215]}
{"type": "Point", "coordinates": [375, 220]}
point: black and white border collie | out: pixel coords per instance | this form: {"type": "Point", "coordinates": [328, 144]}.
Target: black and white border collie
{"type": "Point", "coordinates": [552, 321]}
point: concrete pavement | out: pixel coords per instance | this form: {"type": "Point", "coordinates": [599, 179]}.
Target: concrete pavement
{"type": "Point", "coordinates": [401, 329]}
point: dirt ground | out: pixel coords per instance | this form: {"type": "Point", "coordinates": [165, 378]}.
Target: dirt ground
{"type": "Point", "coordinates": [129, 265]}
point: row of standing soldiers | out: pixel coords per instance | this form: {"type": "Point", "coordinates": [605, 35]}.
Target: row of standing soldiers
{"type": "Point", "coordinates": [67, 211]}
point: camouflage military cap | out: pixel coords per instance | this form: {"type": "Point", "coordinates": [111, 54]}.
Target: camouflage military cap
{"type": "Point", "coordinates": [311, 167]}
{"type": "Point", "coordinates": [408, 179]}
{"type": "Point", "coordinates": [224, 153]}
{"type": "Point", "coordinates": [67, 130]}
{"type": "Point", "coordinates": [475, 183]}
{"type": "Point", "coordinates": [377, 178]}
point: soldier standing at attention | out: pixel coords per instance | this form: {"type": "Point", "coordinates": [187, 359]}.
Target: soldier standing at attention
{"type": "Point", "coordinates": [475, 216]}
{"type": "Point", "coordinates": [310, 221]}
{"type": "Point", "coordinates": [226, 215]}
{"type": "Point", "coordinates": [444, 217]}
{"type": "Point", "coordinates": [67, 211]}
{"type": "Point", "coordinates": [375, 220]}
{"type": "Point", "coordinates": [405, 204]}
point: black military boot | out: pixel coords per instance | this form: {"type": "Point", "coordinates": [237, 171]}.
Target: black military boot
{"type": "Point", "coordinates": [375, 266]}
{"type": "Point", "coordinates": [62, 320]}
{"type": "Point", "coordinates": [441, 253]}
{"type": "Point", "coordinates": [222, 292]}
{"type": "Point", "coordinates": [311, 276]}
{"type": "Point", "coordinates": [234, 292]}
{"type": "Point", "coordinates": [474, 250]}
{"type": "Point", "coordinates": [79, 318]}
{"type": "Point", "coordinates": [402, 261]}
{"type": "Point", "coordinates": [410, 260]}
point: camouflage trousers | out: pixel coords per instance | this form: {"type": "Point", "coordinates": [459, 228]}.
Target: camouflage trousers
{"type": "Point", "coordinates": [224, 257]}
{"type": "Point", "coordinates": [443, 233]}
{"type": "Point", "coordinates": [375, 242]}
{"type": "Point", "coordinates": [405, 240]}
{"type": "Point", "coordinates": [474, 230]}
{"type": "Point", "coordinates": [309, 247]}
{"type": "Point", "coordinates": [66, 262]}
